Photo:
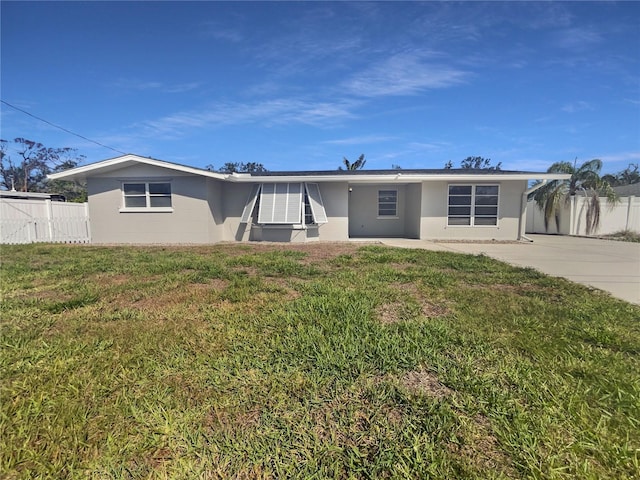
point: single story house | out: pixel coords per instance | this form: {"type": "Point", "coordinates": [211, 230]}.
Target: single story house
{"type": "Point", "coordinates": [134, 199]}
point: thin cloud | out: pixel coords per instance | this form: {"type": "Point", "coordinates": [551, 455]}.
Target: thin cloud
{"type": "Point", "coordinates": [224, 31]}
{"type": "Point", "coordinates": [579, 106]}
{"type": "Point", "coordinates": [268, 113]}
{"type": "Point", "coordinates": [404, 74]}
{"type": "Point", "coordinates": [140, 85]}
{"type": "Point", "coordinates": [577, 38]}
{"type": "Point", "coordinates": [360, 140]}
{"type": "Point", "coordinates": [631, 157]}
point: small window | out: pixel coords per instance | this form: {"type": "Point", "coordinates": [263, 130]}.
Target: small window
{"type": "Point", "coordinates": [473, 205]}
{"type": "Point", "coordinates": [147, 195]}
{"type": "Point", "coordinates": [387, 203]}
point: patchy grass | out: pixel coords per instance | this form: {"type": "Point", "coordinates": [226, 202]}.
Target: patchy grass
{"type": "Point", "coordinates": [624, 236]}
{"type": "Point", "coordinates": [311, 361]}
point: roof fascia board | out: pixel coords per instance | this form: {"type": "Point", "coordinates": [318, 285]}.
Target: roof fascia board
{"type": "Point", "coordinates": [412, 178]}
{"type": "Point", "coordinates": [81, 172]}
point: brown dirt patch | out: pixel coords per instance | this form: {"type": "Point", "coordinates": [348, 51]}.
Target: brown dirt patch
{"type": "Point", "coordinates": [354, 409]}
{"type": "Point", "coordinates": [285, 284]}
{"type": "Point", "coordinates": [395, 311]}
{"type": "Point", "coordinates": [193, 292]}
{"type": "Point", "coordinates": [160, 456]}
{"type": "Point", "coordinates": [316, 252]}
{"type": "Point", "coordinates": [248, 270]}
{"type": "Point", "coordinates": [425, 382]}
{"type": "Point", "coordinates": [108, 280]}
{"type": "Point", "coordinates": [479, 446]}
{"type": "Point", "coordinates": [389, 313]}
{"type": "Point", "coordinates": [230, 421]}
{"type": "Point", "coordinates": [505, 287]}
{"type": "Point", "coordinates": [432, 310]}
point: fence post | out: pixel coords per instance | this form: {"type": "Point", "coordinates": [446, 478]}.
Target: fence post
{"type": "Point", "coordinates": [629, 204]}
{"type": "Point", "coordinates": [49, 209]}
{"type": "Point", "coordinates": [87, 221]}
{"type": "Point", "coordinates": [573, 213]}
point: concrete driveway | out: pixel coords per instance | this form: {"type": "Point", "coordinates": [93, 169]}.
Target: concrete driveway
{"type": "Point", "coordinates": [605, 264]}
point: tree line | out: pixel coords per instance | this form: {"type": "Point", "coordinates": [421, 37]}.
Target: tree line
{"type": "Point", "coordinates": [27, 168]}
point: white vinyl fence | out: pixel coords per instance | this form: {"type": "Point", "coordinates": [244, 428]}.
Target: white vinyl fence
{"type": "Point", "coordinates": [30, 221]}
{"type": "Point", "coordinates": [623, 215]}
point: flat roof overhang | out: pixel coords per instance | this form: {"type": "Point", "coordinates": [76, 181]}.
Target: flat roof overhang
{"type": "Point", "coordinates": [356, 176]}
{"type": "Point", "coordinates": [399, 178]}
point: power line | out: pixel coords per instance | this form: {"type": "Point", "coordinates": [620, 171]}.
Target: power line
{"type": "Point", "coordinates": [62, 128]}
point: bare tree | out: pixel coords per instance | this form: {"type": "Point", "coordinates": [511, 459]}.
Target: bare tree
{"type": "Point", "coordinates": [27, 169]}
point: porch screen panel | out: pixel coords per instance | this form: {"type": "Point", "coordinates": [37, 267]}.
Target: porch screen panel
{"type": "Point", "coordinates": [315, 201]}
{"type": "Point", "coordinates": [251, 202]}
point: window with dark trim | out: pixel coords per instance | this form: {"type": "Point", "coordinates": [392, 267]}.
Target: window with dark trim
{"type": "Point", "coordinates": [472, 205]}
{"type": "Point", "coordinates": [387, 203]}
{"type": "Point", "coordinates": [146, 195]}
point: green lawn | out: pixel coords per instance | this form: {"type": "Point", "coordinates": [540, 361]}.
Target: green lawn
{"type": "Point", "coordinates": [313, 361]}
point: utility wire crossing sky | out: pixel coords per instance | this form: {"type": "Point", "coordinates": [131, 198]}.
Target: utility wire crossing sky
{"type": "Point", "coordinates": [299, 86]}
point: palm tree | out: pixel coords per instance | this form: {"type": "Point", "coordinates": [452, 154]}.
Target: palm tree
{"type": "Point", "coordinates": [357, 165]}
{"type": "Point", "coordinates": [628, 176]}
{"type": "Point", "coordinates": [584, 180]}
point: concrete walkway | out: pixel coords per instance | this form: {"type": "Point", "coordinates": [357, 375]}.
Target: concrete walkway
{"type": "Point", "coordinates": [605, 264]}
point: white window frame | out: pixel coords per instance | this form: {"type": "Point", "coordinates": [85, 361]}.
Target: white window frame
{"type": "Point", "coordinates": [147, 196]}
{"type": "Point", "coordinates": [387, 204]}
{"type": "Point", "coordinates": [473, 205]}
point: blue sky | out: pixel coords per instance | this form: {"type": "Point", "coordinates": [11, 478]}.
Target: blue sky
{"type": "Point", "coordinates": [302, 85]}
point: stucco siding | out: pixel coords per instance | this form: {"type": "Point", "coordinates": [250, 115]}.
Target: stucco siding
{"type": "Point", "coordinates": [335, 196]}
{"type": "Point", "coordinates": [364, 220]}
{"type": "Point", "coordinates": [215, 216]}
{"type": "Point", "coordinates": [434, 214]}
{"type": "Point", "coordinates": [189, 222]}
{"type": "Point", "coordinates": [234, 196]}
{"type": "Point", "coordinates": [208, 210]}
{"type": "Point", "coordinates": [412, 209]}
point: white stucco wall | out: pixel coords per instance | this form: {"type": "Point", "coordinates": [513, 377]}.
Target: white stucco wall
{"type": "Point", "coordinates": [434, 213]}
{"type": "Point", "coordinates": [363, 212]}
{"type": "Point", "coordinates": [334, 196]}
{"type": "Point", "coordinates": [190, 222]}
{"type": "Point", "coordinates": [614, 217]}
{"type": "Point", "coordinates": [207, 210]}
{"type": "Point", "coordinates": [234, 197]}
{"type": "Point", "coordinates": [413, 220]}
